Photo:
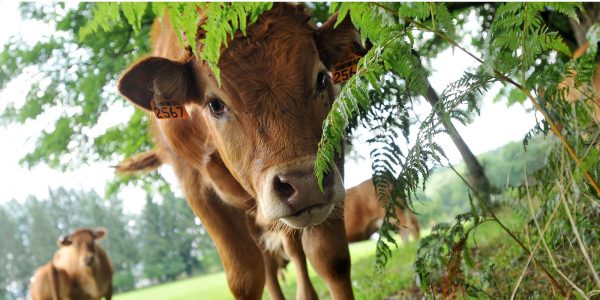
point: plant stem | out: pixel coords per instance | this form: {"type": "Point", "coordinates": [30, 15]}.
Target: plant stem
{"type": "Point", "coordinates": [516, 239]}
{"type": "Point", "coordinates": [578, 237]}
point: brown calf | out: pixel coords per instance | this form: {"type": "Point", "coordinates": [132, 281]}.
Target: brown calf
{"type": "Point", "coordinates": [86, 264]}
{"type": "Point", "coordinates": [50, 283]}
{"type": "Point", "coordinates": [363, 214]}
{"type": "Point", "coordinates": [259, 130]}
{"type": "Point", "coordinates": [278, 248]}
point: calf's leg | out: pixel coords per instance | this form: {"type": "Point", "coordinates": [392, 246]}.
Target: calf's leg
{"type": "Point", "coordinates": [272, 283]}
{"type": "Point", "coordinates": [293, 247]}
{"type": "Point", "coordinates": [326, 247]}
{"type": "Point", "coordinates": [241, 257]}
{"type": "Point", "coordinates": [271, 266]}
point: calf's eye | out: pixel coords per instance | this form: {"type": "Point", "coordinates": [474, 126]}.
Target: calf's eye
{"type": "Point", "coordinates": [217, 107]}
{"type": "Point", "coordinates": [321, 81]}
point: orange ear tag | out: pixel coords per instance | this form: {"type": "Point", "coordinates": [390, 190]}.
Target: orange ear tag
{"type": "Point", "coordinates": [165, 109]}
{"type": "Point", "coordinates": [342, 72]}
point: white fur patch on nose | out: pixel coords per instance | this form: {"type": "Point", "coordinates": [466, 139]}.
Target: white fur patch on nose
{"type": "Point", "coordinates": [299, 212]}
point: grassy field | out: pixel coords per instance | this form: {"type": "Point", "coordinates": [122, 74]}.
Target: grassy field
{"type": "Point", "coordinates": [396, 279]}
{"type": "Point", "coordinates": [398, 275]}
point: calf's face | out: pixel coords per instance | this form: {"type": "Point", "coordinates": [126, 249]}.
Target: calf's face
{"type": "Point", "coordinates": [265, 119]}
{"type": "Point", "coordinates": [83, 244]}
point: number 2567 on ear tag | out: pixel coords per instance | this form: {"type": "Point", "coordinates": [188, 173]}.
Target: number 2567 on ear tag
{"type": "Point", "coordinates": [343, 71]}
{"type": "Point", "coordinates": [166, 109]}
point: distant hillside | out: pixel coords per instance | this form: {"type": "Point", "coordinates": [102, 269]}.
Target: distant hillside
{"type": "Point", "coordinates": [446, 196]}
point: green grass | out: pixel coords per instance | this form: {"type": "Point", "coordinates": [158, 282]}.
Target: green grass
{"type": "Point", "coordinates": [212, 286]}
{"type": "Point", "coordinates": [398, 275]}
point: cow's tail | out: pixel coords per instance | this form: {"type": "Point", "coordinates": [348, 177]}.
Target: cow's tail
{"type": "Point", "coordinates": [54, 282]}
{"type": "Point", "coordinates": [140, 163]}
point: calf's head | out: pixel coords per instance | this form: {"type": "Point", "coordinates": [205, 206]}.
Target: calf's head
{"type": "Point", "coordinates": [265, 119]}
{"type": "Point", "coordinates": [83, 244]}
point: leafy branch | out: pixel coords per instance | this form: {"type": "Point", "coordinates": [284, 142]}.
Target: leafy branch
{"type": "Point", "coordinates": [521, 87]}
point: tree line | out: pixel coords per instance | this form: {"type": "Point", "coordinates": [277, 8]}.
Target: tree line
{"type": "Point", "coordinates": [162, 243]}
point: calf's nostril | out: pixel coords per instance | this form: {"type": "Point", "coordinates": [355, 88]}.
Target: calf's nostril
{"type": "Point", "coordinates": [282, 188]}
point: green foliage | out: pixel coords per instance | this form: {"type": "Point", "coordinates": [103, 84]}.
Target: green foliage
{"type": "Point", "coordinates": [506, 167]}
{"type": "Point", "coordinates": [14, 263]}
{"type": "Point", "coordinates": [222, 21]}
{"type": "Point", "coordinates": [73, 83]}
{"type": "Point", "coordinates": [168, 234]}
{"type": "Point", "coordinates": [440, 256]}
{"type": "Point", "coordinates": [518, 36]}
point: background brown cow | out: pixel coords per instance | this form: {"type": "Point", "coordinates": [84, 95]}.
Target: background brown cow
{"type": "Point", "coordinates": [86, 264]}
{"type": "Point", "coordinates": [261, 127]}
{"type": "Point", "coordinates": [363, 214]}
{"type": "Point", "coordinates": [576, 94]}
{"type": "Point", "coordinates": [50, 283]}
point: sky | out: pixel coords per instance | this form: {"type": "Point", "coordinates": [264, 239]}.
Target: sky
{"type": "Point", "coordinates": [496, 126]}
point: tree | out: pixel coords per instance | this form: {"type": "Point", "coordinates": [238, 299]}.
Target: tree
{"type": "Point", "coordinates": [14, 265]}
{"type": "Point", "coordinates": [84, 87]}
{"type": "Point", "coordinates": [42, 233]}
{"type": "Point", "coordinates": [182, 231]}
{"type": "Point", "coordinates": [171, 239]}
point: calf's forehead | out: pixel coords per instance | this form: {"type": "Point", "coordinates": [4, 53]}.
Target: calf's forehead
{"type": "Point", "coordinates": [273, 67]}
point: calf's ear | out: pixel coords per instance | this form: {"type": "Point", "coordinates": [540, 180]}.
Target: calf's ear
{"type": "Point", "coordinates": [64, 241]}
{"type": "Point", "coordinates": [158, 78]}
{"type": "Point", "coordinates": [334, 43]}
{"type": "Point", "coordinates": [99, 233]}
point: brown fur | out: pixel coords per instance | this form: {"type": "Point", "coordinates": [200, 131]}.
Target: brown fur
{"type": "Point", "coordinates": [272, 123]}
{"type": "Point", "coordinates": [86, 264]}
{"type": "Point", "coordinates": [50, 283]}
{"type": "Point", "coordinates": [363, 213]}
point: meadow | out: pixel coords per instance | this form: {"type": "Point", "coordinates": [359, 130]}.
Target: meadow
{"type": "Point", "coordinates": [398, 275]}
{"type": "Point", "coordinates": [395, 282]}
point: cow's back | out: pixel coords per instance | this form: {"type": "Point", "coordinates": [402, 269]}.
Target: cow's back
{"type": "Point", "coordinates": [575, 93]}
{"type": "Point", "coordinates": [364, 214]}
{"type": "Point", "coordinates": [49, 283]}
{"type": "Point", "coordinates": [362, 211]}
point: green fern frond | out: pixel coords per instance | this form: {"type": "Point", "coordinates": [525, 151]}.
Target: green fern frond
{"type": "Point", "coordinates": [420, 11]}
{"type": "Point", "coordinates": [133, 12]}
{"type": "Point", "coordinates": [106, 15]}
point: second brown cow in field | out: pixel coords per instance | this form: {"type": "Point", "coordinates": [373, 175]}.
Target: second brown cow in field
{"type": "Point", "coordinates": [586, 92]}
{"type": "Point", "coordinates": [86, 264]}
{"type": "Point", "coordinates": [363, 214]}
